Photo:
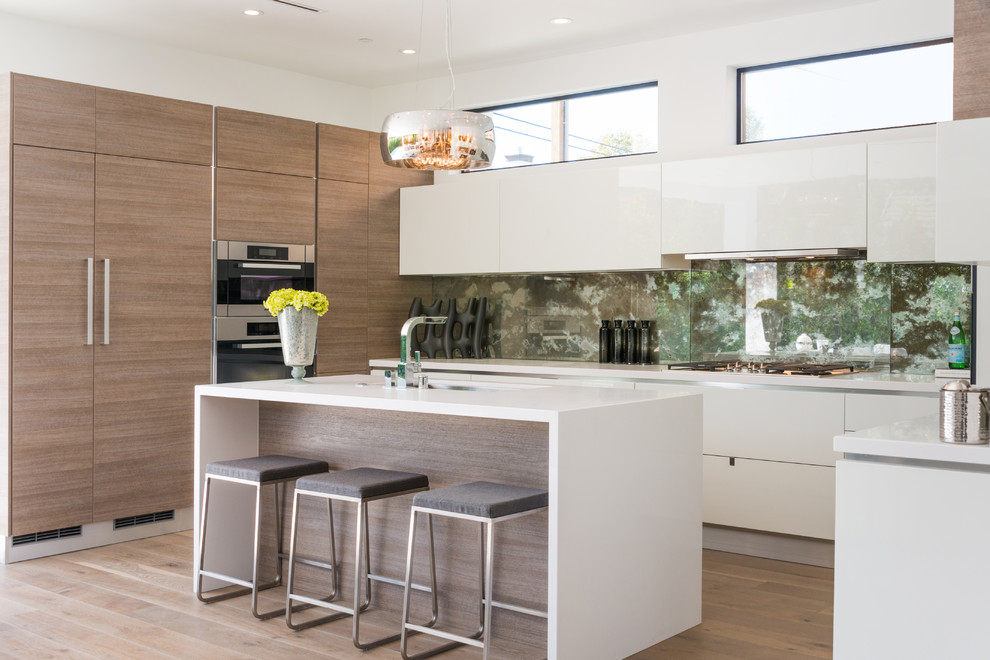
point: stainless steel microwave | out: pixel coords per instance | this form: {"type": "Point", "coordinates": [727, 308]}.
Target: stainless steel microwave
{"type": "Point", "coordinates": [247, 272]}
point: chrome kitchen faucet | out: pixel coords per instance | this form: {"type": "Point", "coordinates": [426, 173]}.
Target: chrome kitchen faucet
{"type": "Point", "coordinates": [409, 372]}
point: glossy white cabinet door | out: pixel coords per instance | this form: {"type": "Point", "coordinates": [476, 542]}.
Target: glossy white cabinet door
{"type": "Point", "coordinates": [901, 201]}
{"type": "Point", "coordinates": [450, 228]}
{"type": "Point", "coordinates": [570, 220]}
{"type": "Point", "coordinates": [911, 578]}
{"type": "Point", "coordinates": [800, 198]}
{"type": "Point", "coordinates": [786, 498]}
{"type": "Point", "coordinates": [963, 193]}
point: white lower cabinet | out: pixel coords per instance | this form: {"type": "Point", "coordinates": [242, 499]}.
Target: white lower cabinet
{"type": "Point", "coordinates": [768, 462]}
{"type": "Point", "coordinates": [911, 578]}
{"type": "Point", "coordinates": [771, 496]}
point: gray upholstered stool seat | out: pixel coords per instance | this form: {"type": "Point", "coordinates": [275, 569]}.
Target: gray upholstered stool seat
{"type": "Point", "coordinates": [257, 472]}
{"type": "Point", "coordinates": [363, 482]}
{"type": "Point", "coordinates": [483, 499]}
{"type": "Point", "coordinates": [484, 502]}
{"type": "Point", "coordinates": [360, 486]}
{"type": "Point", "coordinates": [274, 467]}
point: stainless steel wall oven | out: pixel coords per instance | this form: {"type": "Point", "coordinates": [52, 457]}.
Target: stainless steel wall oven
{"type": "Point", "coordinates": [246, 341]}
{"type": "Point", "coordinates": [247, 272]}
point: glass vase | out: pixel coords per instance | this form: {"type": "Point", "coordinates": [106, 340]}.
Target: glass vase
{"type": "Point", "coordinates": [297, 332]}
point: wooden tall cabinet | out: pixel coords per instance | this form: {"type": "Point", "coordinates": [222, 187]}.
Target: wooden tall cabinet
{"type": "Point", "coordinates": [357, 251]}
{"type": "Point", "coordinates": [152, 227]}
{"type": "Point", "coordinates": [100, 398]}
{"type": "Point", "coordinates": [51, 394]}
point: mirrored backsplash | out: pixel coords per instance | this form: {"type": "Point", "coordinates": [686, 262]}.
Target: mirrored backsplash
{"type": "Point", "coordinates": [894, 316]}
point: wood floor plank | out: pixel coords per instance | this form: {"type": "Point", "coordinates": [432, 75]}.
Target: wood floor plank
{"type": "Point", "coordinates": [135, 599]}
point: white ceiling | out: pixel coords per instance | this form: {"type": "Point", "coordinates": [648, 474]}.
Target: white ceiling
{"type": "Point", "coordinates": [328, 44]}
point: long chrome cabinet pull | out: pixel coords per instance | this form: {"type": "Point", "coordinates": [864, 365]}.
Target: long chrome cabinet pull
{"type": "Point", "coordinates": [106, 301]}
{"type": "Point", "coordinates": [89, 301]}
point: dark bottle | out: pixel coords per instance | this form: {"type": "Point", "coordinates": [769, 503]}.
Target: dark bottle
{"type": "Point", "coordinates": [618, 343]}
{"type": "Point", "coordinates": [632, 342]}
{"type": "Point", "coordinates": [605, 343]}
{"type": "Point", "coordinates": [645, 356]}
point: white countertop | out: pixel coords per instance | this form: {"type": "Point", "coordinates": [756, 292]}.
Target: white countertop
{"type": "Point", "coordinates": [915, 439]}
{"type": "Point", "coordinates": [863, 381]}
{"type": "Point", "coordinates": [499, 400]}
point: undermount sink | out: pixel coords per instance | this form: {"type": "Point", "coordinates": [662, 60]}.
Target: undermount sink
{"type": "Point", "coordinates": [479, 387]}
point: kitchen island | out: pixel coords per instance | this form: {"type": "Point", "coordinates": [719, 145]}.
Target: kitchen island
{"type": "Point", "coordinates": [911, 541]}
{"type": "Point", "coordinates": [616, 561]}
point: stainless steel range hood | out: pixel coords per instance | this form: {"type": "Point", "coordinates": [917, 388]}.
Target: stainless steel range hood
{"type": "Point", "coordinates": [781, 255]}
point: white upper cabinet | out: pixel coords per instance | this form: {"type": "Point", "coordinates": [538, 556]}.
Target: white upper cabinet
{"type": "Point", "coordinates": [568, 219]}
{"type": "Point", "coordinates": [449, 229]}
{"type": "Point", "coordinates": [963, 192]}
{"type": "Point", "coordinates": [794, 199]}
{"type": "Point", "coordinates": [901, 206]}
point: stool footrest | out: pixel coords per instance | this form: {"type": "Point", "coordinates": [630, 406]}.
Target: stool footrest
{"type": "Point", "coordinates": [460, 639]}
{"type": "Point", "coordinates": [520, 609]}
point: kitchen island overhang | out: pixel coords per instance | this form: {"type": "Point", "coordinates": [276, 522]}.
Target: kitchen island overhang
{"type": "Point", "coordinates": [623, 532]}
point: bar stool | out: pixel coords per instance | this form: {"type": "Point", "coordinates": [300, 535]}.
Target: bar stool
{"type": "Point", "coordinates": [360, 486]}
{"type": "Point", "coordinates": [256, 471]}
{"type": "Point", "coordinates": [480, 501]}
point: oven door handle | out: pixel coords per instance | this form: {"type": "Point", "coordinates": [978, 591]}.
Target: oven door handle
{"type": "Point", "coordinates": [89, 301]}
{"type": "Point", "coordinates": [275, 344]}
{"type": "Point", "coordinates": [271, 266]}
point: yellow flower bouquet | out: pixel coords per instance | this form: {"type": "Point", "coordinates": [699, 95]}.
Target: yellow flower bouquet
{"type": "Point", "coordinates": [282, 298]}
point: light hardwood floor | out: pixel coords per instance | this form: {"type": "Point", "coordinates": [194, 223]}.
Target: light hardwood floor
{"type": "Point", "coordinates": [134, 600]}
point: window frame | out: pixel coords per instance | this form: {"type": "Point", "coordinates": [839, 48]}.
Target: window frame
{"type": "Point", "coordinates": [741, 71]}
{"type": "Point", "coordinates": [567, 97]}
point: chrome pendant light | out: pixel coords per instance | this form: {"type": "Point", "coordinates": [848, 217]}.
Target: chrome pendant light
{"type": "Point", "coordinates": [441, 139]}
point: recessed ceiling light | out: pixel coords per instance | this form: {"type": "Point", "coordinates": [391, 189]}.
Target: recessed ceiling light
{"type": "Point", "coordinates": [560, 21]}
{"type": "Point", "coordinates": [408, 51]}
{"type": "Point", "coordinates": [252, 12]}
{"type": "Point", "coordinates": [365, 40]}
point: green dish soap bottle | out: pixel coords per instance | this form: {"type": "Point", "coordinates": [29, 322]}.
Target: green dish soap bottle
{"type": "Point", "coordinates": [958, 358]}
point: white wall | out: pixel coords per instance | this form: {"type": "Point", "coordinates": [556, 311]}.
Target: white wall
{"type": "Point", "coordinates": [94, 58]}
{"type": "Point", "coordinates": [696, 72]}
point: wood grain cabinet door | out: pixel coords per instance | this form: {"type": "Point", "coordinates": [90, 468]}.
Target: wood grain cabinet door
{"type": "Point", "coordinates": [143, 126]}
{"type": "Point", "coordinates": [265, 143]}
{"type": "Point", "coordinates": [258, 206]}
{"type": "Point", "coordinates": [53, 113]}
{"type": "Point", "coordinates": [342, 274]}
{"type": "Point", "coordinates": [153, 225]}
{"type": "Point", "coordinates": [344, 153]}
{"type": "Point", "coordinates": [52, 365]}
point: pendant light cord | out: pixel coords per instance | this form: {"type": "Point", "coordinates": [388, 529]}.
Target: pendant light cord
{"type": "Point", "coordinates": [450, 67]}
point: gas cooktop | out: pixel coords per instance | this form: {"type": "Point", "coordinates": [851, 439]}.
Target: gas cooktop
{"type": "Point", "coordinates": [757, 367]}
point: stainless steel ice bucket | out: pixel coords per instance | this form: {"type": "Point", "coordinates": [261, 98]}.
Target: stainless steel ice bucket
{"type": "Point", "coordinates": [963, 413]}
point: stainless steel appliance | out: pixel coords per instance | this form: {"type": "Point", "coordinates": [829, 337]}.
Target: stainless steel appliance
{"type": "Point", "coordinates": [247, 272]}
{"type": "Point", "coordinates": [248, 348]}
{"type": "Point", "coordinates": [247, 345]}
{"type": "Point", "coordinates": [750, 367]}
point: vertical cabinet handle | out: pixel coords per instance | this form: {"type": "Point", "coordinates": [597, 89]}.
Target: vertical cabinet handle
{"type": "Point", "coordinates": [106, 301]}
{"type": "Point", "coordinates": [89, 301]}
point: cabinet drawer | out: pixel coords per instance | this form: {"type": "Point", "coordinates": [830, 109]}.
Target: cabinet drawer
{"type": "Point", "coordinates": [774, 425]}
{"type": "Point", "coordinates": [265, 143]}
{"type": "Point", "coordinates": [864, 411]}
{"type": "Point", "coordinates": [774, 497]}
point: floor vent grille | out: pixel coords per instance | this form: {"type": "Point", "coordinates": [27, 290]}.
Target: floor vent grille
{"type": "Point", "coordinates": [144, 519]}
{"type": "Point", "coordinates": [50, 535]}
{"type": "Point", "coordinates": [299, 5]}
